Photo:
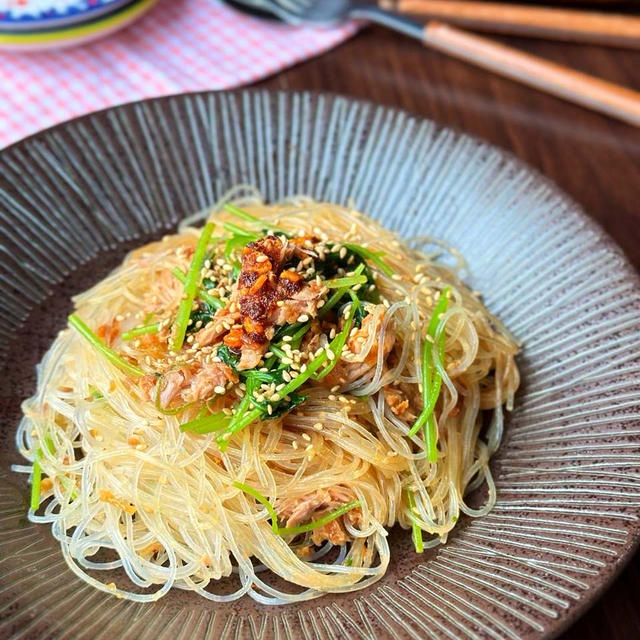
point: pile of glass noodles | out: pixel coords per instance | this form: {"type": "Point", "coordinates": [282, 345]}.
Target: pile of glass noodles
{"type": "Point", "coordinates": [272, 391]}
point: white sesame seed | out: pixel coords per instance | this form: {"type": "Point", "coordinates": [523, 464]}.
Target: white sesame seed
{"type": "Point", "coordinates": [317, 426]}
{"type": "Point", "coordinates": [303, 318]}
{"type": "Point", "coordinates": [219, 389]}
{"type": "Point", "coordinates": [306, 437]}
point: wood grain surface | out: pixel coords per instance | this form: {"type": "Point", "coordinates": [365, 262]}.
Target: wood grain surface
{"type": "Point", "coordinates": [593, 158]}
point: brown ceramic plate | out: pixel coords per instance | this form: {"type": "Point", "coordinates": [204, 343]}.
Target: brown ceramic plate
{"type": "Point", "coordinates": [74, 199]}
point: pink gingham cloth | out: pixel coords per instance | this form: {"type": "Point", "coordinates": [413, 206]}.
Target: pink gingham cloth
{"type": "Point", "coordinates": [180, 45]}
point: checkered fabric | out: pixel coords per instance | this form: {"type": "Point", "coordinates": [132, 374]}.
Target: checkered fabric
{"type": "Point", "coordinates": [180, 45]}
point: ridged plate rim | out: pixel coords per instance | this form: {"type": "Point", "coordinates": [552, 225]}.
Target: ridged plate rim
{"type": "Point", "coordinates": [572, 209]}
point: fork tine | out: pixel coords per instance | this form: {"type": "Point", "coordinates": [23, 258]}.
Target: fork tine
{"type": "Point", "coordinates": [290, 11]}
{"type": "Point", "coordinates": [298, 7]}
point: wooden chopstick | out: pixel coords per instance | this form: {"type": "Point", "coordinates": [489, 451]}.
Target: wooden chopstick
{"type": "Point", "coordinates": [574, 86]}
{"type": "Point", "coordinates": [545, 22]}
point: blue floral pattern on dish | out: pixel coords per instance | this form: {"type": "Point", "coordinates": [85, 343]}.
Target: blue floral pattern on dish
{"type": "Point", "coordinates": [32, 11]}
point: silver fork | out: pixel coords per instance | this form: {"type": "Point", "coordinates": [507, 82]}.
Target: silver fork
{"type": "Point", "coordinates": [334, 11]}
{"type": "Point", "coordinates": [563, 82]}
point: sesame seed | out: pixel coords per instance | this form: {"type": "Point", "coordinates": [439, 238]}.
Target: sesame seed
{"type": "Point", "coordinates": [287, 339]}
{"type": "Point", "coordinates": [317, 426]}
{"type": "Point", "coordinates": [335, 388]}
{"type": "Point", "coordinates": [303, 318]}
{"type": "Point", "coordinates": [332, 397]}
{"type": "Point", "coordinates": [294, 444]}
{"type": "Point", "coordinates": [219, 389]}
{"type": "Point", "coordinates": [308, 447]}
{"type": "Point", "coordinates": [262, 258]}
{"type": "Point", "coordinates": [269, 409]}
{"type": "Point", "coordinates": [396, 277]}
{"type": "Point", "coordinates": [275, 397]}
{"type": "Point", "coordinates": [306, 437]}
{"type": "Point", "coordinates": [330, 354]}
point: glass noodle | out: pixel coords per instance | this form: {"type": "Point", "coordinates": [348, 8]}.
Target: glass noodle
{"type": "Point", "coordinates": [117, 473]}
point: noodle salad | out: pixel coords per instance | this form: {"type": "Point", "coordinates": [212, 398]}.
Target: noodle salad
{"type": "Point", "coordinates": [272, 391]}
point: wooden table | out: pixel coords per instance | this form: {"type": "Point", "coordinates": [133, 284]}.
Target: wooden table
{"type": "Point", "coordinates": [594, 159]}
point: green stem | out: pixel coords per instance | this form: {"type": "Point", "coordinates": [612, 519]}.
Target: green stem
{"type": "Point", "coordinates": [216, 303]}
{"type": "Point", "coordinates": [320, 522]}
{"type": "Point", "coordinates": [416, 531]}
{"type": "Point", "coordinates": [191, 287]}
{"type": "Point", "coordinates": [244, 215]}
{"type": "Point", "coordinates": [367, 254]}
{"type": "Point", "coordinates": [431, 388]}
{"type": "Point", "coordinates": [102, 348]}
{"type": "Point", "coordinates": [337, 344]}
{"type": "Point", "coordinates": [36, 482]}
{"type": "Point", "coordinates": [349, 281]}
{"type": "Point", "coordinates": [239, 231]}
{"type": "Point", "coordinates": [338, 295]}
{"type": "Point", "coordinates": [147, 329]}
{"type": "Point", "coordinates": [207, 424]}
{"type": "Point", "coordinates": [254, 493]}
{"type": "Point", "coordinates": [160, 408]}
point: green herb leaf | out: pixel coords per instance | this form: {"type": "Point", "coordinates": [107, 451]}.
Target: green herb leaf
{"type": "Point", "coordinates": [227, 356]}
{"type": "Point", "coordinates": [283, 407]}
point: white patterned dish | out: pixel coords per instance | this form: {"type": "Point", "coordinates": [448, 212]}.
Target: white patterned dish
{"type": "Point", "coordinates": [30, 15]}
{"type": "Point", "coordinates": [76, 197]}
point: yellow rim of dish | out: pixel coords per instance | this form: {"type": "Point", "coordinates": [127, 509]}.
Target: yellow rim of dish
{"type": "Point", "coordinates": [82, 30]}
